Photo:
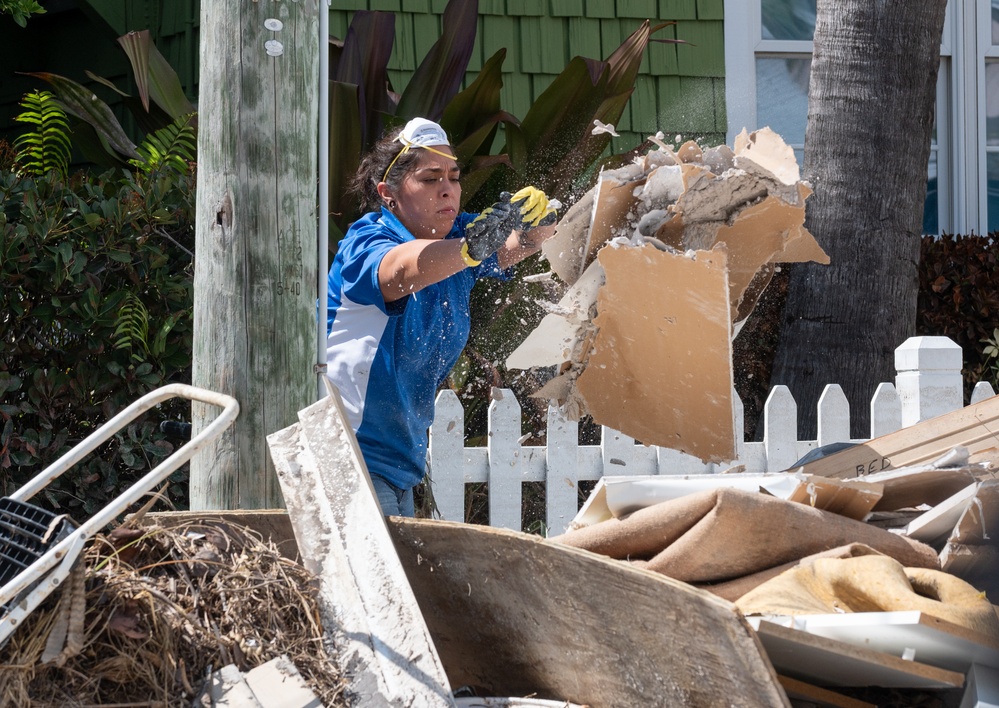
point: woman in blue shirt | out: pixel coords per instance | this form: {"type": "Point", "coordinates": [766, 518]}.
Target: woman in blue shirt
{"type": "Point", "coordinates": [398, 304]}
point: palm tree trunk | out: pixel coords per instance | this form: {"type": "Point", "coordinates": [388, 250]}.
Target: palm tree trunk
{"type": "Point", "coordinates": [870, 121]}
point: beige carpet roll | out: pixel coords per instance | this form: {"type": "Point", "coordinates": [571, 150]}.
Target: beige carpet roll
{"type": "Point", "coordinates": [722, 534]}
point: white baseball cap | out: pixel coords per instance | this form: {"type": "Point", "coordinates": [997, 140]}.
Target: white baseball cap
{"type": "Point", "coordinates": [420, 132]}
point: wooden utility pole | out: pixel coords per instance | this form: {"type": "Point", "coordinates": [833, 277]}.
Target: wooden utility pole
{"type": "Point", "coordinates": [255, 266]}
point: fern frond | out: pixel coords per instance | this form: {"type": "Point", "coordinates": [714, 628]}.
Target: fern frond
{"type": "Point", "coordinates": [132, 331]}
{"type": "Point", "coordinates": [46, 147]}
{"type": "Point", "coordinates": [171, 148]}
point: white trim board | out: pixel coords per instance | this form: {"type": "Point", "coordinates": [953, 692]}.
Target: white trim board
{"type": "Point", "coordinates": [829, 662]}
{"type": "Point", "coordinates": [938, 522]}
{"type": "Point", "coordinates": [982, 690]}
{"type": "Point", "coordinates": [912, 634]}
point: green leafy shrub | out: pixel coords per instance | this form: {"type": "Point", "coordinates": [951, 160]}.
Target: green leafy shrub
{"type": "Point", "coordinates": [959, 298]}
{"type": "Point", "coordinates": [20, 10]}
{"type": "Point", "coordinates": [96, 312]}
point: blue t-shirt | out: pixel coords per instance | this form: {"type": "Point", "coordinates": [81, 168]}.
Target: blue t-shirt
{"type": "Point", "coordinates": [388, 359]}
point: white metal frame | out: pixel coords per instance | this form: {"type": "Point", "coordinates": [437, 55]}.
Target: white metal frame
{"type": "Point", "coordinates": [960, 148]}
{"type": "Point", "coordinates": [54, 565]}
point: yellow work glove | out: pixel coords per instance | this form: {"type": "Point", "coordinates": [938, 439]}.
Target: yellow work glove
{"type": "Point", "coordinates": [489, 230]}
{"type": "Point", "coordinates": [534, 209]}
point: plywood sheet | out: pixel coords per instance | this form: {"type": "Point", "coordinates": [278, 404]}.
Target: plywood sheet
{"type": "Point", "coordinates": [516, 615]}
{"type": "Point", "coordinates": [660, 369]}
{"type": "Point", "coordinates": [831, 662]}
{"type": "Point", "coordinates": [975, 427]}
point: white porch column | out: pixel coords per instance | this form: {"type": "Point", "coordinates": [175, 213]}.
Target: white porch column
{"type": "Point", "coordinates": [928, 378]}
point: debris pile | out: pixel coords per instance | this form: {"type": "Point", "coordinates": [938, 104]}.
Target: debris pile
{"type": "Point", "coordinates": [664, 260]}
{"type": "Point", "coordinates": [165, 610]}
{"type": "Point", "coordinates": [883, 580]}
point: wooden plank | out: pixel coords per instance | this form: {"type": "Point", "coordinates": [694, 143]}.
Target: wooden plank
{"type": "Point", "coordinates": [910, 633]}
{"type": "Point", "coordinates": [809, 657]}
{"type": "Point", "coordinates": [820, 697]}
{"type": "Point", "coordinates": [517, 615]}
{"type": "Point", "coordinates": [367, 603]}
{"type": "Point", "coordinates": [975, 427]}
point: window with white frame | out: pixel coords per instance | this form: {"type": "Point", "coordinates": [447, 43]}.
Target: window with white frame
{"type": "Point", "coordinates": [768, 47]}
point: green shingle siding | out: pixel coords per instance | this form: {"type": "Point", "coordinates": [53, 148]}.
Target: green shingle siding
{"type": "Point", "coordinates": [515, 96]}
{"type": "Point", "coordinates": [638, 9]}
{"type": "Point", "coordinates": [678, 9]}
{"type": "Point", "coordinates": [416, 5]}
{"type": "Point", "coordinates": [526, 8]}
{"type": "Point", "coordinates": [600, 8]}
{"type": "Point", "coordinates": [583, 35]}
{"type": "Point", "coordinates": [710, 9]}
{"type": "Point", "coordinates": [707, 55]}
{"type": "Point", "coordinates": [642, 106]}
{"type": "Point", "coordinates": [567, 8]}
{"type": "Point", "coordinates": [404, 51]}
{"type": "Point", "coordinates": [492, 7]}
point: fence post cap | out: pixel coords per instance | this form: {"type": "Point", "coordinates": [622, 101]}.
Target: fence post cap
{"type": "Point", "coordinates": [928, 353]}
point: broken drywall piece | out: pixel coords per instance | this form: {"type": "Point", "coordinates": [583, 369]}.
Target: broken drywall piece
{"type": "Point", "coordinates": [768, 150]}
{"type": "Point", "coordinates": [660, 363]}
{"type": "Point", "coordinates": [631, 366]}
{"type": "Point", "coordinates": [851, 498]}
{"type": "Point", "coordinates": [560, 332]}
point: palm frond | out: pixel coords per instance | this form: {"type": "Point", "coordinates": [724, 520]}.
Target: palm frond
{"type": "Point", "coordinates": [45, 147]}
{"type": "Point", "coordinates": [132, 331]}
{"type": "Point", "coordinates": [169, 148]}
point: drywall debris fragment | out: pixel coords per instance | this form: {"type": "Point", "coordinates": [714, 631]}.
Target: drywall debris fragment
{"type": "Point", "coordinates": [692, 237]}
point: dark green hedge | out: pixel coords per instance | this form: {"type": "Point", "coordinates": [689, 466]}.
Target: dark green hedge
{"type": "Point", "coordinates": [96, 311]}
{"type": "Point", "coordinates": [959, 298]}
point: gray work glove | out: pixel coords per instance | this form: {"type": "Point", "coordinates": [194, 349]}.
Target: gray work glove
{"type": "Point", "coordinates": [489, 230]}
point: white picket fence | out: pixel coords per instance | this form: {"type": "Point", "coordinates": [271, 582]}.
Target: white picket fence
{"type": "Point", "coordinates": [928, 383]}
